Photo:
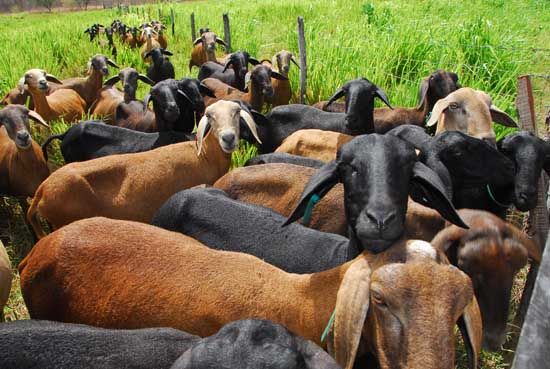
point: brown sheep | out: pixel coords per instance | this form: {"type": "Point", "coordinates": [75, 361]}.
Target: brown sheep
{"type": "Point", "coordinates": [314, 143]}
{"type": "Point", "coordinates": [89, 87]}
{"type": "Point", "coordinates": [204, 48]}
{"type": "Point", "coordinates": [282, 91]}
{"type": "Point", "coordinates": [471, 112]}
{"type": "Point", "coordinates": [108, 98]}
{"type": "Point", "coordinates": [434, 87]}
{"type": "Point", "coordinates": [150, 43]}
{"type": "Point", "coordinates": [5, 279]}
{"type": "Point", "coordinates": [22, 164]}
{"type": "Point", "coordinates": [134, 186]}
{"type": "Point", "coordinates": [279, 187]}
{"type": "Point", "coordinates": [63, 103]}
{"type": "Point", "coordinates": [491, 252]}
{"type": "Point", "coordinates": [259, 89]}
{"type": "Point", "coordinates": [153, 277]}
{"type": "Point", "coordinates": [160, 36]}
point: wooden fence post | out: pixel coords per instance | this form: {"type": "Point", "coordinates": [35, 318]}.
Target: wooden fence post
{"type": "Point", "coordinates": [303, 60]}
{"type": "Point", "coordinates": [193, 32]}
{"type": "Point", "coordinates": [160, 14]}
{"type": "Point", "coordinates": [226, 33]}
{"type": "Point", "coordinates": [173, 18]}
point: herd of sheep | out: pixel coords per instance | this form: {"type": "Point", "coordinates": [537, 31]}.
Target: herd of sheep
{"type": "Point", "coordinates": [160, 257]}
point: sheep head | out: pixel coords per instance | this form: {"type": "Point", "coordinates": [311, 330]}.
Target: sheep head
{"type": "Point", "coordinates": [282, 60]}
{"type": "Point", "coordinates": [224, 119]}
{"type": "Point", "coordinates": [491, 252]}
{"type": "Point", "coordinates": [260, 79]}
{"type": "Point", "coordinates": [209, 40]}
{"type": "Point", "coordinates": [437, 86]}
{"type": "Point", "coordinates": [15, 118]}
{"type": "Point", "coordinates": [360, 94]}
{"type": "Point", "coordinates": [129, 78]}
{"type": "Point", "coordinates": [100, 63]}
{"type": "Point", "coordinates": [37, 80]}
{"type": "Point", "coordinates": [469, 111]}
{"type": "Point", "coordinates": [404, 313]}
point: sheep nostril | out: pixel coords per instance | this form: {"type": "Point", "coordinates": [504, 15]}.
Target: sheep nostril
{"type": "Point", "coordinates": [23, 136]}
{"type": "Point", "coordinates": [228, 138]}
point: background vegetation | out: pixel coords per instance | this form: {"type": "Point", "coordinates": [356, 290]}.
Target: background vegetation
{"type": "Point", "coordinates": [489, 43]}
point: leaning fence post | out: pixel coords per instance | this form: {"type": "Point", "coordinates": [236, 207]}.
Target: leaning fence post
{"type": "Point", "coordinates": [173, 18]}
{"type": "Point", "coordinates": [303, 60]}
{"type": "Point", "coordinates": [226, 33]}
{"type": "Point", "coordinates": [538, 217]}
{"type": "Point", "coordinates": [160, 15]}
{"type": "Point", "coordinates": [193, 32]}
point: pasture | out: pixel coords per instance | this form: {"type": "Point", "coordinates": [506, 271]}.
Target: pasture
{"type": "Point", "coordinates": [395, 44]}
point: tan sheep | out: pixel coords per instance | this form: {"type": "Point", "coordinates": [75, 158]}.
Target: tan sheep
{"type": "Point", "coordinates": [134, 186]}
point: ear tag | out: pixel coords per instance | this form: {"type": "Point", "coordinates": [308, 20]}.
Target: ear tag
{"type": "Point", "coordinates": [309, 209]}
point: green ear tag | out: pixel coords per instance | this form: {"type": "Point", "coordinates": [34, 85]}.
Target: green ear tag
{"type": "Point", "coordinates": [309, 209]}
{"type": "Point", "coordinates": [329, 325]}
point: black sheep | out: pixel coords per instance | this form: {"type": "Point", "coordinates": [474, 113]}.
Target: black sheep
{"type": "Point", "coordinates": [278, 157]}
{"type": "Point", "coordinates": [161, 68]}
{"type": "Point", "coordinates": [234, 76]}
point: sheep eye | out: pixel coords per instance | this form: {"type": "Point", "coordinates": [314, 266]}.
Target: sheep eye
{"type": "Point", "coordinates": [377, 298]}
{"type": "Point", "coordinates": [453, 106]}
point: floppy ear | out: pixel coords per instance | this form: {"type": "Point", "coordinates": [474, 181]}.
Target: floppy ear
{"type": "Point", "coordinates": [412, 134]}
{"type": "Point", "coordinates": [52, 78]}
{"type": "Point", "coordinates": [144, 78]}
{"type": "Point", "coordinates": [197, 41]}
{"type": "Point", "coordinates": [146, 100]}
{"type": "Point", "coordinates": [294, 61]}
{"type": "Point", "coordinates": [166, 52]}
{"type": "Point", "coordinates": [220, 41]}
{"type": "Point", "coordinates": [439, 108]}
{"type": "Point", "coordinates": [111, 81]}
{"type": "Point", "coordinates": [253, 61]}
{"type": "Point", "coordinates": [427, 189]}
{"type": "Point", "coordinates": [147, 54]}
{"type": "Point", "coordinates": [21, 85]}
{"type": "Point", "coordinates": [37, 118]}
{"type": "Point", "coordinates": [501, 117]}
{"type": "Point", "coordinates": [352, 305]}
{"type": "Point", "coordinates": [338, 94]}
{"type": "Point", "coordinates": [423, 91]}
{"type": "Point", "coordinates": [185, 96]}
{"type": "Point", "coordinates": [247, 118]}
{"type": "Point", "coordinates": [112, 63]}
{"type": "Point", "coordinates": [382, 95]}
{"type": "Point", "coordinates": [545, 164]}
{"type": "Point", "coordinates": [319, 184]}
{"type": "Point", "coordinates": [471, 328]}
{"type": "Point", "coordinates": [202, 129]}
{"type": "Point", "coordinates": [205, 90]}
{"type": "Point", "coordinates": [227, 64]}
{"type": "Point", "coordinates": [314, 356]}
{"type": "Point", "coordinates": [448, 240]}
{"type": "Point", "coordinates": [533, 250]}
{"type": "Point", "coordinates": [278, 76]}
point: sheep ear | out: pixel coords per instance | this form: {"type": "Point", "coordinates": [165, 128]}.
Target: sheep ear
{"type": "Point", "coordinates": [278, 76]}
{"type": "Point", "coordinates": [52, 78]}
{"type": "Point", "coordinates": [423, 91]}
{"type": "Point", "coordinates": [202, 129]}
{"type": "Point", "coordinates": [246, 79]}
{"type": "Point", "coordinates": [439, 108]}
{"type": "Point", "coordinates": [533, 250]}
{"type": "Point", "coordinates": [319, 184]}
{"type": "Point", "coordinates": [185, 96]}
{"type": "Point", "coordinates": [338, 94]}
{"type": "Point", "coordinates": [427, 189]}
{"type": "Point", "coordinates": [295, 62]}
{"type": "Point", "coordinates": [249, 121]}
{"type": "Point", "coordinates": [205, 90]}
{"type": "Point", "coordinates": [111, 81]}
{"type": "Point", "coordinates": [501, 117]}
{"type": "Point", "coordinates": [197, 41]}
{"type": "Point", "coordinates": [146, 100]}
{"type": "Point", "coordinates": [352, 305]}
{"type": "Point", "coordinates": [37, 118]}
{"type": "Point", "coordinates": [314, 356]}
{"type": "Point", "coordinates": [470, 326]}
{"type": "Point", "coordinates": [448, 239]}
{"type": "Point", "coordinates": [21, 85]}
{"type": "Point", "coordinates": [253, 61]}
{"type": "Point", "coordinates": [220, 41]}
{"type": "Point", "coordinates": [144, 78]}
{"type": "Point", "coordinates": [227, 64]}
{"type": "Point", "coordinates": [382, 95]}
{"type": "Point", "coordinates": [112, 63]}
{"type": "Point", "coordinates": [166, 52]}
{"type": "Point", "coordinates": [412, 134]}
{"type": "Point", "coordinates": [147, 54]}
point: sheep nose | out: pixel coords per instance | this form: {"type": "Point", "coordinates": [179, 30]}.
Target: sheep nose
{"type": "Point", "coordinates": [171, 107]}
{"type": "Point", "coordinates": [380, 218]}
{"type": "Point", "coordinates": [23, 136]}
{"type": "Point", "coordinates": [105, 71]}
{"type": "Point", "coordinates": [228, 138]}
{"type": "Point", "coordinates": [268, 92]}
{"type": "Point", "coordinates": [43, 83]}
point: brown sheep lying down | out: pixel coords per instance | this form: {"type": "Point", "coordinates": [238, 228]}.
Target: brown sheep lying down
{"type": "Point", "coordinates": [279, 187]}
{"type": "Point", "coordinates": [134, 186]}
{"type": "Point", "coordinates": [5, 279]}
{"type": "Point", "coordinates": [150, 277]}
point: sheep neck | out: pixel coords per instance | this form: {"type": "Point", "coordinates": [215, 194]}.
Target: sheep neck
{"type": "Point", "coordinates": [255, 97]}
{"type": "Point", "coordinates": [94, 81]}
{"type": "Point", "coordinates": [41, 105]}
{"type": "Point", "coordinates": [213, 156]}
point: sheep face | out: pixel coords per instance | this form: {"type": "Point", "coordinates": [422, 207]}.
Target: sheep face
{"type": "Point", "coordinates": [438, 85]}
{"type": "Point", "coordinates": [223, 118]}
{"type": "Point", "coordinates": [163, 95]}
{"type": "Point", "coordinates": [531, 155]}
{"type": "Point", "coordinates": [250, 344]}
{"type": "Point", "coordinates": [415, 335]}
{"type": "Point", "coordinates": [15, 118]}
{"type": "Point", "coordinates": [282, 60]}
{"type": "Point", "coordinates": [209, 40]}
{"type": "Point", "coordinates": [37, 80]}
{"type": "Point", "coordinates": [100, 64]}
{"type": "Point", "coordinates": [239, 63]}
{"type": "Point", "coordinates": [260, 78]}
